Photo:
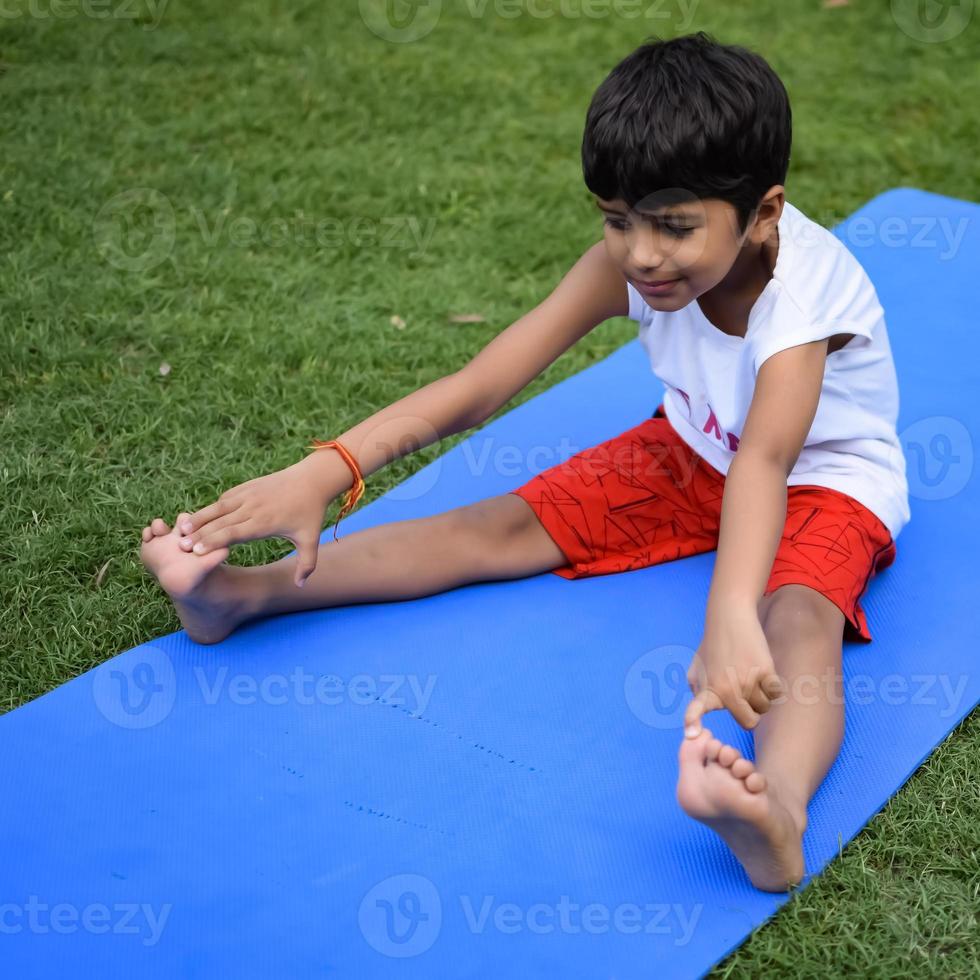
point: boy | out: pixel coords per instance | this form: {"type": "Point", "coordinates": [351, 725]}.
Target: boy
{"type": "Point", "coordinates": [775, 443]}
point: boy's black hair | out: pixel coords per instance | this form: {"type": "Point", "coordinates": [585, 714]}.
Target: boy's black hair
{"type": "Point", "coordinates": [690, 113]}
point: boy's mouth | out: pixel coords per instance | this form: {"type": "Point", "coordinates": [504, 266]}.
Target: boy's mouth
{"type": "Point", "coordinates": [657, 287]}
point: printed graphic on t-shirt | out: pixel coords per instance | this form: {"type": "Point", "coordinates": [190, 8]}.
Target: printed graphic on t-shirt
{"type": "Point", "coordinates": [711, 425]}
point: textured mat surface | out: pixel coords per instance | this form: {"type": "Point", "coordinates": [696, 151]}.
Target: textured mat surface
{"type": "Point", "coordinates": [481, 783]}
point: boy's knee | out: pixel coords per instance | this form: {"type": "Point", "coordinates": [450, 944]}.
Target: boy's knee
{"type": "Point", "coordinates": [797, 612]}
{"type": "Point", "coordinates": [500, 518]}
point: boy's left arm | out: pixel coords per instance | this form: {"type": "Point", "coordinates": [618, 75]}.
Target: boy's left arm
{"type": "Point", "coordinates": [733, 668]}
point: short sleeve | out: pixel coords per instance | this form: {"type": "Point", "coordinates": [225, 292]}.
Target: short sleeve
{"type": "Point", "coordinates": [788, 327]}
{"type": "Point", "coordinates": [782, 340]}
{"type": "Point", "coordinates": [828, 293]}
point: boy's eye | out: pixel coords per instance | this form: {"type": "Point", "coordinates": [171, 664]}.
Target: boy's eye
{"type": "Point", "coordinates": [676, 231]}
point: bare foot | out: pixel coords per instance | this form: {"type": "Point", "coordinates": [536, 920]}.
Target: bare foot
{"type": "Point", "coordinates": [208, 605]}
{"type": "Point", "coordinates": [722, 789]}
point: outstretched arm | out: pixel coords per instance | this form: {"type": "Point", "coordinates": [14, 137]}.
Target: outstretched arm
{"type": "Point", "coordinates": [733, 668]}
{"type": "Point", "coordinates": [291, 503]}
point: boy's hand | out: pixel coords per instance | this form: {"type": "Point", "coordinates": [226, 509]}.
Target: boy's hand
{"type": "Point", "coordinates": [732, 669]}
{"type": "Point", "coordinates": [285, 504]}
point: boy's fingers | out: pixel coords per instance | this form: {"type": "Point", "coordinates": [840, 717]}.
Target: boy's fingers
{"type": "Point", "coordinates": [743, 713]}
{"type": "Point", "coordinates": [306, 555]}
{"type": "Point", "coordinates": [225, 534]}
{"type": "Point", "coordinates": [206, 534]}
{"type": "Point", "coordinates": [759, 700]}
{"type": "Point", "coordinates": [704, 701]}
{"type": "Point", "coordinates": [197, 520]}
{"type": "Point", "coordinates": [773, 685]}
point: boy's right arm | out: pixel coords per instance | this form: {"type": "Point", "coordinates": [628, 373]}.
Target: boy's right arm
{"type": "Point", "coordinates": [291, 503]}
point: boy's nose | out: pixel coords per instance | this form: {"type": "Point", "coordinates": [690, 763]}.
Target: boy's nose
{"type": "Point", "coordinates": [644, 251]}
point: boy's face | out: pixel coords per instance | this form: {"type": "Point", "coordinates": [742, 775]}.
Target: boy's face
{"type": "Point", "coordinates": [673, 248]}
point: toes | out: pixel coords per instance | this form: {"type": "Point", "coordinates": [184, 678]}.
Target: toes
{"type": "Point", "coordinates": [159, 526]}
{"type": "Point", "coordinates": [691, 749]}
{"type": "Point", "coordinates": [183, 541]}
{"type": "Point", "coordinates": [714, 747]}
{"type": "Point", "coordinates": [741, 768]}
{"type": "Point", "coordinates": [727, 755]}
{"type": "Point", "coordinates": [755, 782]}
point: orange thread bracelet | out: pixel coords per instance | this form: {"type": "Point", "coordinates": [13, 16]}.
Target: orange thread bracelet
{"type": "Point", "coordinates": [356, 491]}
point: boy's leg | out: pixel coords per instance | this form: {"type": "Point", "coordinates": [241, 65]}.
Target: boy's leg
{"type": "Point", "coordinates": [496, 538]}
{"type": "Point", "coordinates": [760, 809]}
{"type": "Point", "coordinates": [633, 500]}
{"type": "Point", "coordinates": [798, 738]}
{"type": "Point", "coordinates": [831, 546]}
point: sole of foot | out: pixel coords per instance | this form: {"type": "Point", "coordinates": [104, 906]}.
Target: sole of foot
{"type": "Point", "coordinates": [197, 585]}
{"type": "Point", "coordinates": [723, 790]}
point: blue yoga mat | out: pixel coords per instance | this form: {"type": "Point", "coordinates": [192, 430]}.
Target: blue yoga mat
{"type": "Point", "coordinates": [481, 783]}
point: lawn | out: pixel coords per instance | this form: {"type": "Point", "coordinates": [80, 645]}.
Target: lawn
{"type": "Point", "coordinates": [230, 227]}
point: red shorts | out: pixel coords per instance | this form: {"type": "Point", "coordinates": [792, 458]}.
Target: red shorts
{"type": "Point", "coordinates": [645, 497]}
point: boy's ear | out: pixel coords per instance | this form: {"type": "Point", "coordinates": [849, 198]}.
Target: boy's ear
{"type": "Point", "coordinates": [768, 213]}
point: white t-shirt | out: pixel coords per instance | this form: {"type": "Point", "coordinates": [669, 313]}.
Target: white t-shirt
{"type": "Point", "coordinates": [818, 289]}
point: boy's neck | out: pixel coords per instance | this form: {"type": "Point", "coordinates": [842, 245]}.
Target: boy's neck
{"type": "Point", "coordinates": [728, 304]}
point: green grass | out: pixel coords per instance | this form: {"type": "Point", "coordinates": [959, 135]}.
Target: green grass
{"type": "Point", "coordinates": [265, 111]}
